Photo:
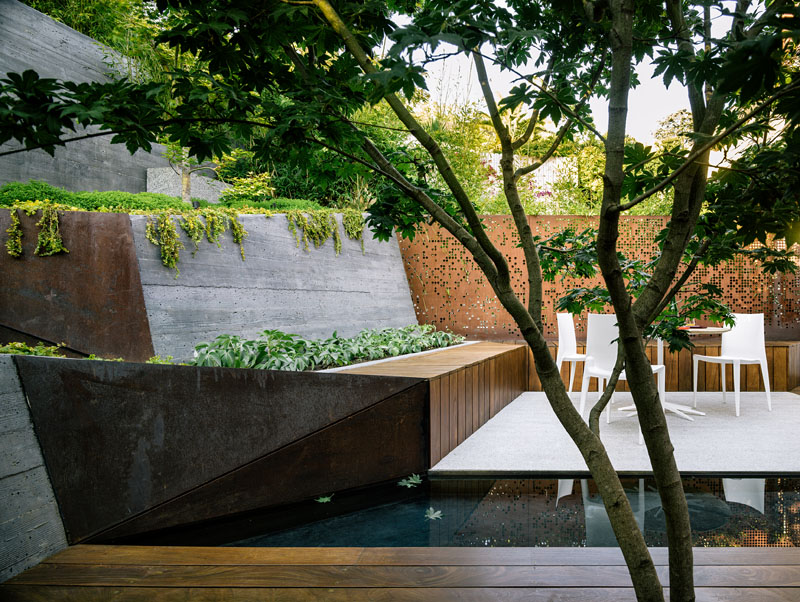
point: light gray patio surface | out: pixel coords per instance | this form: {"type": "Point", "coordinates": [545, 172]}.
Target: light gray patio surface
{"type": "Point", "coordinates": [526, 437]}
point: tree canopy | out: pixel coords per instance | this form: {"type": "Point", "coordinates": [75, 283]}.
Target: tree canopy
{"type": "Point", "coordinates": [294, 74]}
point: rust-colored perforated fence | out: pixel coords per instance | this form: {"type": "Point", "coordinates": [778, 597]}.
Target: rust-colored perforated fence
{"type": "Point", "coordinates": [449, 290]}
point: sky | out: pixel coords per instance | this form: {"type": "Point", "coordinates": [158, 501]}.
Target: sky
{"type": "Point", "coordinates": [649, 103]}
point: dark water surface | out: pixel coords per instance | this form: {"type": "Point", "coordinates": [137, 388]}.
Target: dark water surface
{"type": "Point", "coordinates": [510, 512]}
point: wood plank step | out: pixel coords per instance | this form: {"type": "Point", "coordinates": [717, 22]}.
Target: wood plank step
{"type": "Point", "coordinates": [187, 555]}
{"type": "Point", "coordinates": [146, 594]}
{"type": "Point", "coordinates": [388, 576]}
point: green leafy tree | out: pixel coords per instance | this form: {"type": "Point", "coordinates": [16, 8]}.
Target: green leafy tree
{"type": "Point", "coordinates": [302, 70]}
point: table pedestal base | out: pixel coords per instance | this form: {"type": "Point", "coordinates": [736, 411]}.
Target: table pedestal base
{"type": "Point", "coordinates": [675, 408]}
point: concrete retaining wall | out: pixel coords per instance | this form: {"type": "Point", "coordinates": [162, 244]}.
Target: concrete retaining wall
{"type": "Point", "coordinates": [31, 40]}
{"type": "Point", "coordinates": [278, 286]}
{"type": "Point", "coordinates": [166, 180]}
{"type": "Point", "coordinates": [30, 524]}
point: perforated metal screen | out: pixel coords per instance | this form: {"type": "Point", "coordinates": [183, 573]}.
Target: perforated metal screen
{"type": "Point", "coordinates": [449, 290]}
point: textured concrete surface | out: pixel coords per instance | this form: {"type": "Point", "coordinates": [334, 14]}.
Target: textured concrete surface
{"type": "Point", "coordinates": [278, 286]}
{"type": "Point", "coordinates": [31, 40]}
{"type": "Point", "coordinates": [166, 180]}
{"type": "Point", "coordinates": [526, 437]}
{"type": "Point", "coordinates": [30, 525]}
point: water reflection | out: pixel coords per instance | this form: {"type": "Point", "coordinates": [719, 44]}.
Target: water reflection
{"type": "Point", "coordinates": [546, 512]}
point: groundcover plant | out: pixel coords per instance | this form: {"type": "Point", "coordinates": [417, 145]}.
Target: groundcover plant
{"type": "Point", "coordinates": [276, 350]}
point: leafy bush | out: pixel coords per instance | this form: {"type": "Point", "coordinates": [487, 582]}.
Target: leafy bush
{"type": "Point", "coordinates": [33, 190]}
{"type": "Point", "coordinates": [24, 349]}
{"type": "Point", "coordinates": [277, 205]}
{"type": "Point", "coordinates": [14, 193]}
{"type": "Point", "coordinates": [254, 188]}
{"type": "Point", "coordinates": [116, 200]}
{"type": "Point", "coordinates": [112, 200]}
{"type": "Point", "coordinates": [276, 350]}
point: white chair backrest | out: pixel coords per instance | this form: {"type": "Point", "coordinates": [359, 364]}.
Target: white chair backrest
{"type": "Point", "coordinates": [601, 340]}
{"type": "Point", "coordinates": [567, 344]}
{"type": "Point", "coordinates": [746, 338]}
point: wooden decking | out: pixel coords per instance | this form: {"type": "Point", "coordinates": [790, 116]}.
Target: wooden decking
{"type": "Point", "coordinates": [420, 574]}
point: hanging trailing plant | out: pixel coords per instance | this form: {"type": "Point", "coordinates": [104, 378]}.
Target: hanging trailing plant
{"type": "Point", "coordinates": [14, 231]}
{"type": "Point", "coordinates": [215, 226]}
{"type": "Point", "coordinates": [237, 231]}
{"type": "Point", "coordinates": [353, 222]}
{"type": "Point", "coordinates": [316, 226]}
{"type": "Point", "coordinates": [163, 233]}
{"type": "Point", "coordinates": [49, 241]}
{"type": "Point", "coordinates": [195, 229]}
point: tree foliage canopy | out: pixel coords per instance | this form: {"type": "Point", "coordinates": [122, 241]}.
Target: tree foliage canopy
{"type": "Point", "coordinates": [294, 74]}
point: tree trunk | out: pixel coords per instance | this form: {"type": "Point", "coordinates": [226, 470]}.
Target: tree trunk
{"type": "Point", "coordinates": [186, 184]}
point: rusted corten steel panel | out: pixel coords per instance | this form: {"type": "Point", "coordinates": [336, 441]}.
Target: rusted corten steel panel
{"type": "Point", "coordinates": [121, 439]}
{"type": "Point", "coordinates": [90, 299]}
{"type": "Point", "coordinates": [449, 290]}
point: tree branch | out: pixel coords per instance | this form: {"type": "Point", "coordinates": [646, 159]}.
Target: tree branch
{"type": "Point", "coordinates": [701, 150]}
{"type": "Point", "coordinates": [597, 409]}
{"type": "Point", "coordinates": [681, 281]}
{"type": "Point", "coordinates": [532, 263]}
{"type": "Point", "coordinates": [427, 142]}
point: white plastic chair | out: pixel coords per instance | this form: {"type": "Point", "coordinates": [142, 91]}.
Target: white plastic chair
{"type": "Point", "coordinates": [601, 355]}
{"type": "Point", "coordinates": [743, 344]}
{"type": "Point", "coordinates": [568, 346]}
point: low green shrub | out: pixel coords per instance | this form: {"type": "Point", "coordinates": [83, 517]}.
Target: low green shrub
{"type": "Point", "coordinates": [40, 349]}
{"type": "Point", "coordinates": [118, 201]}
{"type": "Point", "coordinates": [276, 205]}
{"type": "Point", "coordinates": [33, 190]}
{"type": "Point", "coordinates": [111, 200]}
{"type": "Point", "coordinates": [276, 350]}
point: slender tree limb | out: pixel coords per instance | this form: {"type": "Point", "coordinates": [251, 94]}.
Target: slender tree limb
{"type": "Point", "coordinates": [705, 147]}
{"type": "Point", "coordinates": [684, 37]}
{"type": "Point", "coordinates": [605, 397]}
{"type": "Point", "coordinates": [523, 227]}
{"type": "Point", "coordinates": [534, 119]}
{"type": "Point", "coordinates": [521, 171]}
{"type": "Point", "coordinates": [701, 251]}
{"type": "Point", "coordinates": [427, 142]}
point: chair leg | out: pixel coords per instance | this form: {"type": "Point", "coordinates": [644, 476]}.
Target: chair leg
{"type": "Point", "coordinates": [584, 391]}
{"type": "Point", "coordinates": [765, 376]}
{"type": "Point", "coordinates": [723, 369]}
{"type": "Point", "coordinates": [695, 364]}
{"type": "Point", "coordinates": [737, 385]}
{"type": "Point", "coordinates": [662, 385]}
{"type": "Point", "coordinates": [573, 368]}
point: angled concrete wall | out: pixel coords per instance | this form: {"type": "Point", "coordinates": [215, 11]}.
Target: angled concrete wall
{"type": "Point", "coordinates": [112, 296]}
{"type": "Point", "coordinates": [30, 524]}
{"type": "Point", "coordinates": [166, 180]}
{"type": "Point", "coordinates": [278, 286]}
{"type": "Point", "coordinates": [31, 40]}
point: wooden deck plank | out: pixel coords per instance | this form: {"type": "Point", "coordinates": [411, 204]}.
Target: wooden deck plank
{"type": "Point", "coordinates": [146, 594]}
{"type": "Point", "coordinates": [186, 555]}
{"type": "Point", "coordinates": [139, 573]}
{"type": "Point", "coordinates": [325, 576]}
{"type": "Point", "coordinates": [435, 364]}
{"type": "Point", "coordinates": [143, 594]}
